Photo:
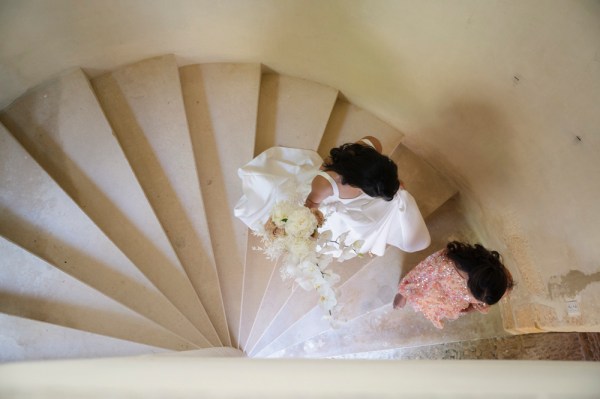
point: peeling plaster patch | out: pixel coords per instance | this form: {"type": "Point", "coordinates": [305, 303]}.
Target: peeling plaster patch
{"type": "Point", "coordinates": [507, 314]}
{"type": "Point", "coordinates": [519, 249]}
{"type": "Point", "coordinates": [521, 312]}
{"type": "Point", "coordinates": [534, 317]}
{"type": "Point", "coordinates": [571, 284]}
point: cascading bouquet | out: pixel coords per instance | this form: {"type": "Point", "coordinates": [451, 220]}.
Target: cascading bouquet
{"type": "Point", "coordinates": [291, 233]}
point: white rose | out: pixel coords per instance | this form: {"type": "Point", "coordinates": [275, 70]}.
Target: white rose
{"type": "Point", "coordinates": [300, 248]}
{"type": "Point", "coordinates": [281, 212]}
{"type": "Point", "coordinates": [301, 223]}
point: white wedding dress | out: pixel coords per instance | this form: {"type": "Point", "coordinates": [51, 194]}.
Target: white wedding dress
{"type": "Point", "coordinates": [281, 173]}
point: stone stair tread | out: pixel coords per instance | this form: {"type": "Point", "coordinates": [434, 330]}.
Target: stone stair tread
{"type": "Point", "coordinates": [221, 103]}
{"type": "Point", "coordinates": [430, 189]}
{"type": "Point", "coordinates": [356, 297]}
{"type": "Point", "coordinates": [276, 295]}
{"type": "Point", "coordinates": [25, 339]}
{"type": "Point", "coordinates": [32, 289]}
{"type": "Point", "coordinates": [37, 215]}
{"type": "Point", "coordinates": [300, 302]}
{"type": "Point", "coordinates": [348, 123]}
{"type": "Point", "coordinates": [258, 271]}
{"type": "Point", "coordinates": [144, 105]}
{"type": "Point", "coordinates": [62, 126]}
{"type": "Point", "coordinates": [304, 302]}
{"type": "Point", "coordinates": [292, 112]}
{"type": "Point", "coordinates": [385, 328]}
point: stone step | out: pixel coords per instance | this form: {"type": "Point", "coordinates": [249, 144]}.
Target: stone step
{"type": "Point", "coordinates": [292, 112]}
{"type": "Point", "coordinates": [32, 289]}
{"type": "Point", "coordinates": [302, 303]}
{"type": "Point", "coordinates": [144, 105]}
{"type": "Point", "coordinates": [374, 287]}
{"type": "Point", "coordinates": [276, 295]}
{"type": "Point", "coordinates": [348, 123]}
{"type": "Point", "coordinates": [37, 215]}
{"type": "Point", "coordinates": [62, 126]}
{"type": "Point", "coordinates": [221, 103]}
{"type": "Point", "coordinates": [259, 271]}
{"type": "Point", "coordinates": [385, 328]}
{"type": "Point", "coordinates": [430, 189]}
{"type": "Point", "coordinates": [24, 339]}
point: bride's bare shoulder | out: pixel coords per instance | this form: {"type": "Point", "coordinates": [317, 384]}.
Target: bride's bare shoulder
{"type": "Point", "coordinates": [322, 185]}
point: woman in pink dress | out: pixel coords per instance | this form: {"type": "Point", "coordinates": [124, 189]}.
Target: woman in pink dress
{"type": "Point", "coordinates": [453, 281]}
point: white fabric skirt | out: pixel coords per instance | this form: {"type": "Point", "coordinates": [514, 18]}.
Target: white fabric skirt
{"type": "Point", "coordinates": [281, 173]}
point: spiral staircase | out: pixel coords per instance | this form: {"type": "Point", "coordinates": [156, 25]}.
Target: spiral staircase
{"type": "Point", "coordinates": [117, 231]}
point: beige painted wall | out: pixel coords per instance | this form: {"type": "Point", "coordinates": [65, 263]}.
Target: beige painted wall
{"type": "Point", "coordinates": [493, 93]}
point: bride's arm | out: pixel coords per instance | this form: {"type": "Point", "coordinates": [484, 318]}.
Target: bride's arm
{"type": "Point", "coordinates": [320, 189]}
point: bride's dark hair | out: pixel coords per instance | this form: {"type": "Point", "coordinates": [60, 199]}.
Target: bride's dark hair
{"type": "Point", "coordinates": [363, 167]}
{"type": "Point", "coordinates": [488, 278]}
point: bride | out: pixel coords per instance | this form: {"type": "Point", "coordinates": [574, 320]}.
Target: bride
{"type": "Point", "coordinates": [356, 188]}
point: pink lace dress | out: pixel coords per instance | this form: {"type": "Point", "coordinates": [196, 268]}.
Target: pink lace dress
{"type": "Point", "coordinates": [436, 289]}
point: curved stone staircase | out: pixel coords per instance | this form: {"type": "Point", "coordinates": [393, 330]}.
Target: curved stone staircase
{"type": "Point", "coordinates": [116, 225]}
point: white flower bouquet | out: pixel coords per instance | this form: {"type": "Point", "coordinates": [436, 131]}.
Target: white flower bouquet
{"type": "Point", "coordinates": [291, 233]}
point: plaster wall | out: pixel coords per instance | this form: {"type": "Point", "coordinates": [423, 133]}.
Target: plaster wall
{"type": "Point", "coordinates": [501, 96]}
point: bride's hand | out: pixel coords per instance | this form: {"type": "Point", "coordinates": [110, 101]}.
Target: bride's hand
{"type": "Point", "coordinates": [319, 215]}
{"type": "Point", "coordinates": [272, 230]}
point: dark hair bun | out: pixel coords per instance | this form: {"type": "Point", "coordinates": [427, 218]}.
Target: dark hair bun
{"type": "Point", "coordinates": [488, 278]}
{"type": "Point", "coordinates": [363, 167]}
